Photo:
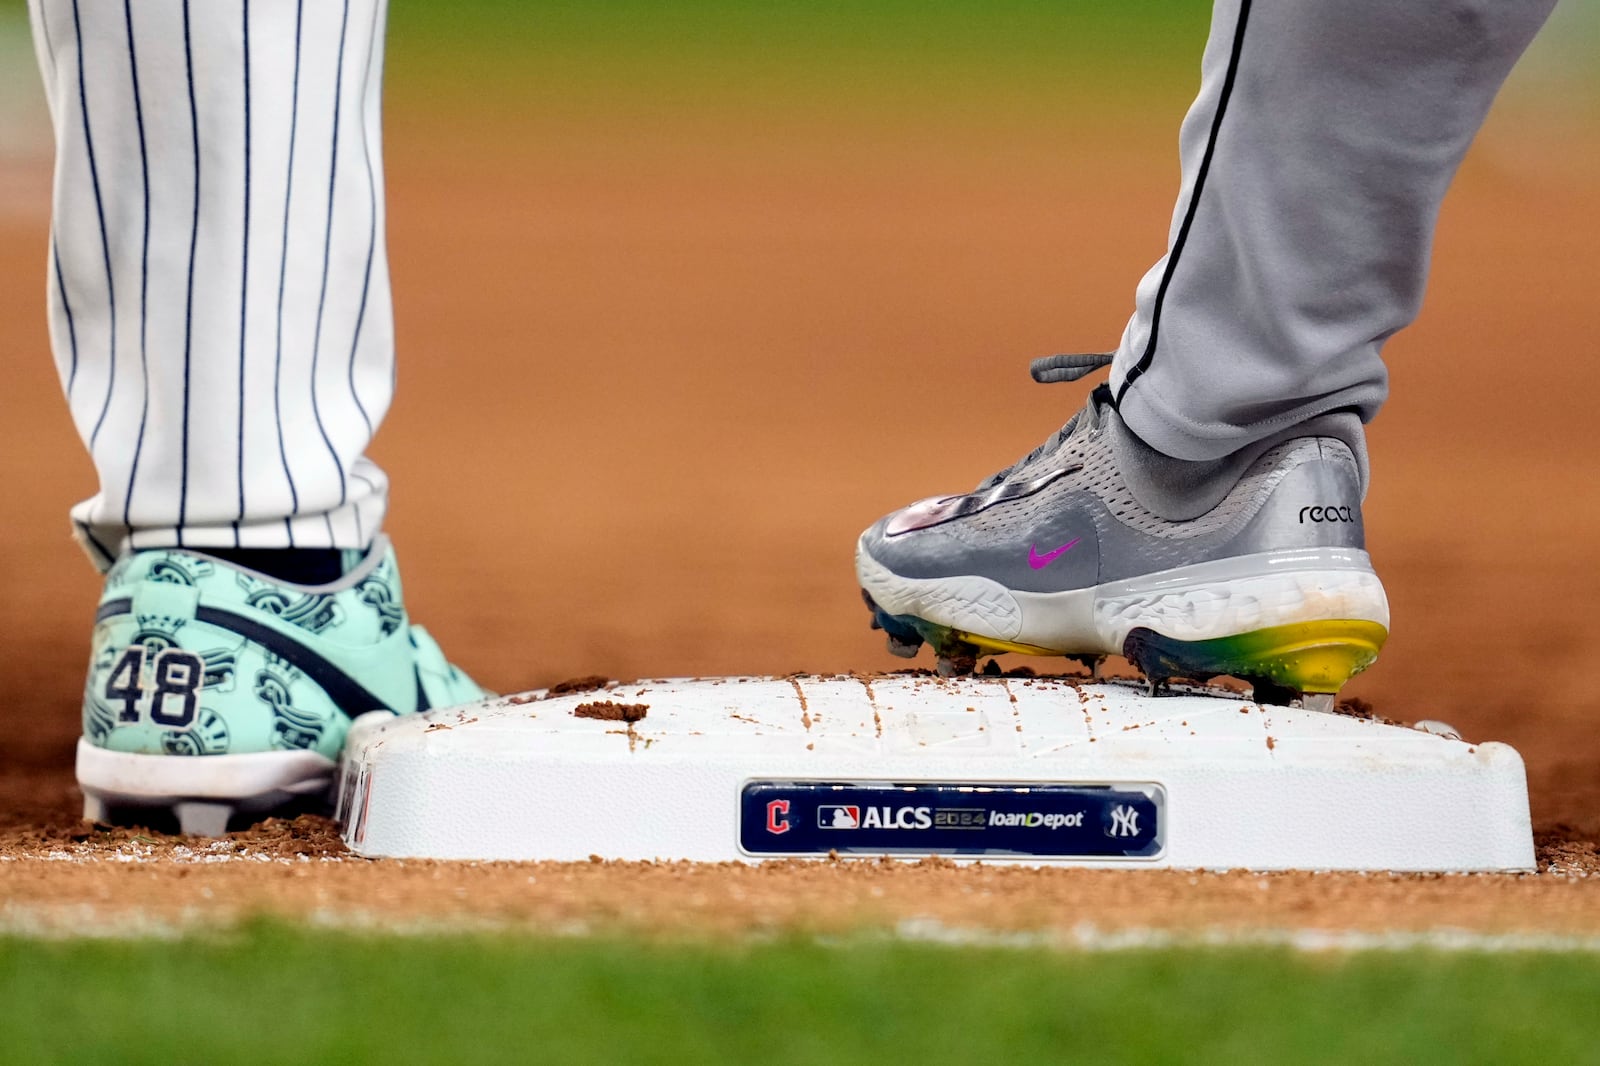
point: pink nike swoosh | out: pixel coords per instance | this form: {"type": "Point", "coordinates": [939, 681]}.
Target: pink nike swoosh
{"type": "Point", "coordinates": [1039, 562]}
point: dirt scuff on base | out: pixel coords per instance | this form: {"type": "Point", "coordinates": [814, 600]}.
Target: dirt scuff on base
{"type": "Point", "coordinates": [587, 683]}
{"type": "Point", "coordinates": [611, 711]}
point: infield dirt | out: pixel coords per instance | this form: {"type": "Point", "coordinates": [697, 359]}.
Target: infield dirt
{"type": "Point", "coordinates": [654, 379]}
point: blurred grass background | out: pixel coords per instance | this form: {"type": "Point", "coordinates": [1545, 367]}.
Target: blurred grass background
{"type": "Point", "coordinates": [269, 993]}
{"type": "Point", "coordinates": [992, 61]}
{"type": "Point", "coordinates": [960, 58]}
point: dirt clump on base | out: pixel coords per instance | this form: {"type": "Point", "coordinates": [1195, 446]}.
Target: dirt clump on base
{"type": "Point", "coordinates": [611, 711]}
{"type": "Point", "coordinates": [1355, 707]}
{"type": "Point", "coordinates": [587, 683]}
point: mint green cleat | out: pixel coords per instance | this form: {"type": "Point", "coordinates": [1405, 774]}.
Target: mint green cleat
{"type": "Point", "coordinates": [214, 689]}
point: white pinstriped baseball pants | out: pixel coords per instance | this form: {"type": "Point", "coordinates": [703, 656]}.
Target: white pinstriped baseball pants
{"type": "Point", "coordinates": [219, 290]}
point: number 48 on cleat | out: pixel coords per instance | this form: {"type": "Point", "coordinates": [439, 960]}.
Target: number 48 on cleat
{"type": "Point", "coordinates": [178, 677]}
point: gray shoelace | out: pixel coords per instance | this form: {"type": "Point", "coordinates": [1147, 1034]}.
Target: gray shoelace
{"type": "Point", "coordinates": [1048, 371]}
{"type": "Point", "coordinates": [1053, 368]}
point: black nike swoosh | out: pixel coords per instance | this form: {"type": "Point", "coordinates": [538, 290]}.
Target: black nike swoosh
{"type": "Point", "coordinates": [348, 694]}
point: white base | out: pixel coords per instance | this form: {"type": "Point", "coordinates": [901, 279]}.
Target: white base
{"type": "Point", "coordinates": [1239, 785]}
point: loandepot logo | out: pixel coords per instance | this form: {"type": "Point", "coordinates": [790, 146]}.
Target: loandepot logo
{"type": "Point", "coordinates": [852, 816]}
{"type": "Point", "coordinates": [1036, 820]}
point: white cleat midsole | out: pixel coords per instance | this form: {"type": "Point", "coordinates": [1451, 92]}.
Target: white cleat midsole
{"type": "Point", "coordinates": [1221, 598]}
{"type": "Point", "coordinates": [246, 781]}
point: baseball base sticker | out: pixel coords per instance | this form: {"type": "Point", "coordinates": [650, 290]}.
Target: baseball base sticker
{"type": "Point", "coordinates": [1037, 821]}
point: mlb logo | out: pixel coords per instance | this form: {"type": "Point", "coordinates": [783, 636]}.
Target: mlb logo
{"type": "Point", "coordinates": [836, 816]}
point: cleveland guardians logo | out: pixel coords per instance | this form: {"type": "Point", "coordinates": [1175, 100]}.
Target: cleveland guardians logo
{"type": "Point", "coordinates": [778, 816]}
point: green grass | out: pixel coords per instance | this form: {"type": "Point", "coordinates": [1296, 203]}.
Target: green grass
{"type": "Point", "coordinates": [846, 61]}
{"type": "Point", "coordinates": [270, 993]}
{"type": "Point", "coordinates": [1029, 31]}
{"type": "Point", "coordinates": [841, 57]}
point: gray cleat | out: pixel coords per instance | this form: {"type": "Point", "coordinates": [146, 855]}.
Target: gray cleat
{"type": "Point", "coordinates": [1093, 544]}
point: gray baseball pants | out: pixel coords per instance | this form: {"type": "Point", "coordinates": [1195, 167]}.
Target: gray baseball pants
{"type": "Point", "coordinates": [1314, 162]}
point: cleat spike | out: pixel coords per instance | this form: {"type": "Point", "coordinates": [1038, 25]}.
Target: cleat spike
{"type": "Point", "coordinates": [904, 637]}
{"type": "Point", "coordinates": [94, 808]}
{"type": "Point", "coordinates": [1283, 663]}
{"type": "Point", "coordinates": [1265, 691]}
{"type": "Point", "coordinates": [1438, 728]}
{"type": "Point", "coordinates": [956, 658]}
{"type": "Point", "coordinates": [902, 649]}
{"type": "Point", "coordinates": [1090, 663]}
{"type": "Point", "coordinates": [1321, 702]}
{"type": "Point", "coordinates": [200, 819]}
